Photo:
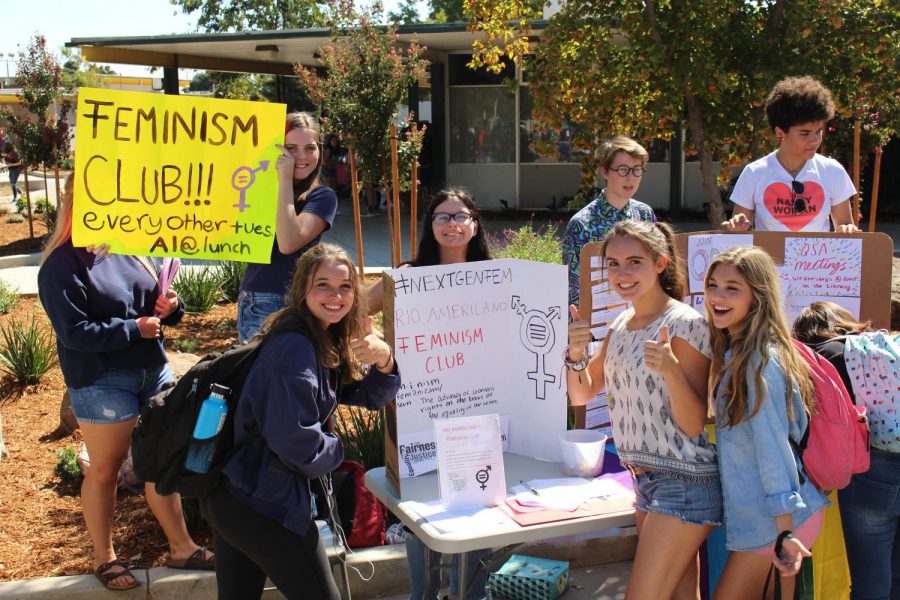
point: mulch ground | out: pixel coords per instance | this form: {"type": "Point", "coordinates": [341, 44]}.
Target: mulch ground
{"type": "Point", "coordinates": [42, 531]}
{"type": "Point", "coordinates": [15, 238]}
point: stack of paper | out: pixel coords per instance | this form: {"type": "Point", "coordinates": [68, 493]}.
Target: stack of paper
{"type": "Point", "coordinates": [565, 493]}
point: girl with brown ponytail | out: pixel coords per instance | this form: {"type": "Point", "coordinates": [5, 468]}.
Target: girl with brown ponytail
{"type": "Point", "coordinates": [654, 364]}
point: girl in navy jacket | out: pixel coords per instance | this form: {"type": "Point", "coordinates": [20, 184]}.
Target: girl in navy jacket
{"type": "Point", "coordinates": [108, 314]}
{"type": "Point", "coordinates": [261, 514]}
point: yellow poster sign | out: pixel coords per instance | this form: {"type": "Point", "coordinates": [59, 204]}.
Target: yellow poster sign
{"type": "Point", "coordinates": [160, 175]}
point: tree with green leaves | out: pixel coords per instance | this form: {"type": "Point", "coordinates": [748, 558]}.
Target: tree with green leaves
{"type": "Point", "coordinates": [367, 76]}
{"type": "Point", "coordinates": [78, 73]}
{"type": "Point", "coordinates": [446, 11]}
{"type": "Point", "coordinates": [216, 16]}
{"type": "Point", "coordinates": [42, 136]}
{"type": "Point", "coordinates": [644, 68]}
{"type": "Point", "coordinates": [407, 13]}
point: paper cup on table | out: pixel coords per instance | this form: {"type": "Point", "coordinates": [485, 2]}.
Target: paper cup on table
{"type": "Point", "coordinates": [582, 452]}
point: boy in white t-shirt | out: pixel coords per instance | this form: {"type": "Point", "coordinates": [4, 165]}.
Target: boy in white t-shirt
{"type": "Point", "coordinates": [794, 188]}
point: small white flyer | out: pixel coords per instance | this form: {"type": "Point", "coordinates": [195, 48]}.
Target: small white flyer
{"type": "Point", "coordinates": [470, 461]}
{"type": "Point", "coordinates": [418, 450]}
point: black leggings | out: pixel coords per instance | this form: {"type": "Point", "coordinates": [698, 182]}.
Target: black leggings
{"type": "Point", "coordinates": [250, 547]}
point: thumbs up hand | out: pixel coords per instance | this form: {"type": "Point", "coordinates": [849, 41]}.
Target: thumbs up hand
{"type": "Point", "coordinates": [371, 349]}
{"type": "Point", "coordinates": [658, 354]}
{"type": "Point", "coordinates": [579, 334]}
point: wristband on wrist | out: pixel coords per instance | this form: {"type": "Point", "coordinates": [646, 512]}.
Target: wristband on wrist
{"type": "Point", "coordinates": [787, 534]}
{"type": "Point", "coordinates": [388, 362]}
{"type": "Point", "coordinates": [575, 365]}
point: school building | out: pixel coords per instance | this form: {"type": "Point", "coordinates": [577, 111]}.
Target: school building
{"type": "Point", "coordinates": [479, 129]}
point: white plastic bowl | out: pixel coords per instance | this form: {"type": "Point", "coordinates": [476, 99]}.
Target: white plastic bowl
{"type": "Point", "coordinates": [582, 452]}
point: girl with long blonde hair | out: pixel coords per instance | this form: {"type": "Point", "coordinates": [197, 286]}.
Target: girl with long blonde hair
{"type": "Point", "coordinates": [761, 394]}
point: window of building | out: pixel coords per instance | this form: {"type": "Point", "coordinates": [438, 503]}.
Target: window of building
{"type": "Point", "coordinates": [482, 125]}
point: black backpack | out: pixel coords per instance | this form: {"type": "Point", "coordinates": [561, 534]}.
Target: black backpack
{"type": "Point", "coordinates": [164, 430]}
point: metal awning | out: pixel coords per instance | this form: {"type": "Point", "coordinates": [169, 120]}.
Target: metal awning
{"type": "Point", "coordinates": [272, 52]}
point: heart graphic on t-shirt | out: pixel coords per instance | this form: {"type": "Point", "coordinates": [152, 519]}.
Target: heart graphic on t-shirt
{"type": "Point", "coordinates": [794, 211]}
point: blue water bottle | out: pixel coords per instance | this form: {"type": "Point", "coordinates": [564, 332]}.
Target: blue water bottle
{"type": "Point", "coordinates": [209, 423]}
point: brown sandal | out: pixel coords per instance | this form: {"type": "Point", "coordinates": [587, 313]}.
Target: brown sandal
{"type": "Point", "coordinates": [198, 561]}
{"type": "Point", "coordinates": [107, 576]}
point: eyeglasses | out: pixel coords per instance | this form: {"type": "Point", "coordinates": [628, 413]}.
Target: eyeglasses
{"type": "Point", "coordinates": [442, 218]}
{"type": "Point", "coordinates": [624, 170]}
{"type": "Point", "coordinates": [798, 202]}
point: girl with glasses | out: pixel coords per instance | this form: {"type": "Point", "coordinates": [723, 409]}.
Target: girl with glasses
{"type": "Point", "coordinates": [306, 210]}
{"type": "Point", "coordinates": [452, 233]}
{"type": "Point", "coordinates": [794, 188]}
{"type": "Point", "coordinates": [623, 163]}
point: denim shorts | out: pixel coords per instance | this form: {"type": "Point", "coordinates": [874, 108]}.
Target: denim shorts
{"type": "Point", "coordinates": [118, 394]}
{"type": "Point", "coordinates": [694, 502]}
{"type": "Point", "coordinates": [253, 309]}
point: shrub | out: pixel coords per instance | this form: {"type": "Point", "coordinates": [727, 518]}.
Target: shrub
{"type": "Point", "coordinates": [8, 297]}
{"type": "Point", "coordinates": [47, 211]}
{"type": "Point", "coordinates": [230, 274]}
{"type": "Point", "coordinates": [15, 218]}
{"type": "Point", "coordinates": [363, 435]}
{"type": "Point", "coordinates": [526, 243]}
{"type": "Point", "coordinates": [198, 288]}
{"type": "Point", "coordinates": [68, 469]}
{"type": "Point", "coordinates": [22, 203]}
{"type": "Point", "coordinates": [28, 351]}
{"type": "Point", "coordinates": [186, 345]}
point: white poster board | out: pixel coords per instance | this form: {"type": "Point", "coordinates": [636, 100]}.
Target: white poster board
{"type": "Point", "coordinates": [811, 267]}
{"type": "Point", "coordinates": [476, 339]}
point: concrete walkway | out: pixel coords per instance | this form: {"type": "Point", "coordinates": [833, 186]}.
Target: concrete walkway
{"type": "Point", "coordinates": [600, 568]}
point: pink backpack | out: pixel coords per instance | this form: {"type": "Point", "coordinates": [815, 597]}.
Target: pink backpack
{"type": "Point", "coordinates": [835, 445]}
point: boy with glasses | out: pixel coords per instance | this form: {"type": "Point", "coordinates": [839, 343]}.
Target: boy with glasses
{"type": "Point", "coordinates": [794, 188]}
{"type": "Point", "coordinates": [622, 163]}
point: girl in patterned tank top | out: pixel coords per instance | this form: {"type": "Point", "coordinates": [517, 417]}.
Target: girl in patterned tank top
{"type": "Point", "coordinates": [654, 364]}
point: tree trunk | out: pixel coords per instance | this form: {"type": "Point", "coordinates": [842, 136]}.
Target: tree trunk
{"type": "Point", "coordinates": [759, 125]}
{"type": "Point", "coordinates": [715, 211]}
{"type": "Point", "coordinates": [28, 202]}
{"type": "Point", "coordinates": [56, 176]}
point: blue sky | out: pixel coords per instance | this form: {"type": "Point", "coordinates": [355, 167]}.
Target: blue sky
{"type": "Point", "coordinates": [61, 20]}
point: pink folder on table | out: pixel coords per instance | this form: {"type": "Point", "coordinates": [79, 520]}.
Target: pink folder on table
{"type": "Point", "coordinates": [530, 515]}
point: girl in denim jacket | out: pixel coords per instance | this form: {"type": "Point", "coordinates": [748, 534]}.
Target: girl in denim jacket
{"type": "Point", "coordinates": [761, 392]}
